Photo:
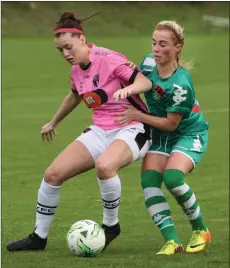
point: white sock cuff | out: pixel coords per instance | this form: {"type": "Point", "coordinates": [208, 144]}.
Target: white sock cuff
{"type": "Point", "coordinates": [108, 181]}
{"type": "Point", "coordinates": [49, 188]}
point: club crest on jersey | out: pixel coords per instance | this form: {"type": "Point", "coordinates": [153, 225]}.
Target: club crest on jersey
{"type": "Point", "coordinates": [96, 80]}
{"type": "Point", "coordinates": [158, 92]}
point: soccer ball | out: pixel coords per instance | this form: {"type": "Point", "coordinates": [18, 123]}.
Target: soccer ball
{"type": "Point", "coordinates": [86, 238]}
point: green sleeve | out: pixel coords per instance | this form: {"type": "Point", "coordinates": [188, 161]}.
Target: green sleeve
{"type": "Point", "coordinates": [147, 65]}
{"type": "Point", "coordinates": [181, 100]}
{"type": "Point", "coordinates": [140, 65]}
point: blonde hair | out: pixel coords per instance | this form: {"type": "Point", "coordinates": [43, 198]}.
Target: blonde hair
{"type": "Point", "coordinates": [178, 38]}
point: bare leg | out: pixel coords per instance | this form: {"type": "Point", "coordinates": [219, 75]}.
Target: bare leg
{"type": "Point", "coordinates": [74, 160]}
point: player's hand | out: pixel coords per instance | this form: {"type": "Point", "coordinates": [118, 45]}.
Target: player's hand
{"type": "Point", "coordinates": [122, 94]}
{"type": "Point", "coordinates": [48, 132]}
{"type": "Point", "coordinates": [127, 116]}
{"type": "Point", "coordinates": [131, 64]}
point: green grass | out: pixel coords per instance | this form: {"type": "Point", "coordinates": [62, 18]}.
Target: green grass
{"type": "Point", "coordinates": [34, 81]}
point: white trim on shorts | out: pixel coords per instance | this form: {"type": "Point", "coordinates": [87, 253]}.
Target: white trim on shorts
{"type": "Point", "coordinates": [157, 152]}
{"type": "Point", "coordinates": [194, 164]}
{"type": "Point", "coordinates": [166, 143]}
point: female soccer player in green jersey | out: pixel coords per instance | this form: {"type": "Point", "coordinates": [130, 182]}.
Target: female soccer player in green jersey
{"type": "Point", "coordinates": [179, 137]}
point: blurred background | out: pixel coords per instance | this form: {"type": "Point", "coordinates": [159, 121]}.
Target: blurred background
{"type": "Point", "coordinates": [118, 18]}
{"type": "Point", "coordinates": [35, 79]}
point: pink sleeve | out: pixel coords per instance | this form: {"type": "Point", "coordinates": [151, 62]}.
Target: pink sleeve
{"type": "Point", "coordinates": [117, 62]}
{"type": "Point", "coordinates": [126, 73]}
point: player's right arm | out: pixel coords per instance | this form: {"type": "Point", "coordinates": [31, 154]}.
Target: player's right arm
{"type": "Point", "coordinates": [70, 102]}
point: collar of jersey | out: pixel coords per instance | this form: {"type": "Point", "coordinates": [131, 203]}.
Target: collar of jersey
{"type": "Point", "coordinates": [91, 57]}
{"type": "Point", "coordinates": [167, 78]}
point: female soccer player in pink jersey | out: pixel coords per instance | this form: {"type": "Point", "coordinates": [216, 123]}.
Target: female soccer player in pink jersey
{"type": "Point", "coordinates": [97, 73]}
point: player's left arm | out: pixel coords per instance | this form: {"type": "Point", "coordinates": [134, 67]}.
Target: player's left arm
{"type": "Point", "coordinates": [139, 84]}
{"type": "Point", "coordinates": [169, 123]}
{"type": "Point", "coordinates": [178, 105]}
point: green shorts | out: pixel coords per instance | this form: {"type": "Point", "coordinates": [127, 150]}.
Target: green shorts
{"type": "Point", "coordinates": [193, 146]}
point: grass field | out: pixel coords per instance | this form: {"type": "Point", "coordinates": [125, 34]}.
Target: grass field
{"type": "Point", "coordinates": [34, 81]}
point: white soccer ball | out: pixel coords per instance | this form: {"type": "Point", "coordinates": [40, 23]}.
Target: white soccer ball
{"type": "Point", "coordinates": [86, 238]}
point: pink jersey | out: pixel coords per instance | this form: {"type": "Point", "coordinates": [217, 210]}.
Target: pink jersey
{"type": "Point", "coordinates": [97, 83]}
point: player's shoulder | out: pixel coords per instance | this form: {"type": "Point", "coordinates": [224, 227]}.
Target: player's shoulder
{"type": "Point", "coordinates": [109, 55]}
{"type": "Point", "coordinates": [183, 71]}
{"type": "Point", "coordinates": [148, 64]}
{"type": "Point", "coordinates": [183, 78]}
{"type": "Point", "coordinates": [148, 60]}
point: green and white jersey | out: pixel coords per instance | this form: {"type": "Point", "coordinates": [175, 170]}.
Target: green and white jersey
{"type": "Point", "coordinates": [174, 94]}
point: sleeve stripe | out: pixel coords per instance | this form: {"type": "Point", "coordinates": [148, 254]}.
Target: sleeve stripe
{"type": "Point", "coordinates": [149, 62]}
{"type": "Point", "coordinates": [133, 76]}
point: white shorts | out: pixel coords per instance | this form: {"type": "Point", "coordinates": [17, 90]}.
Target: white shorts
{"type": "Point", "coordinates": [98, 140]}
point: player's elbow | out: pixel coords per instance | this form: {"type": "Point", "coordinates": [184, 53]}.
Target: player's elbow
{"type": "Point", "coordinates": [168, 125]}
{"type": "Point", "coordinates": [171, 126]}
{"type": "Point", "coordinates": [173, 120]}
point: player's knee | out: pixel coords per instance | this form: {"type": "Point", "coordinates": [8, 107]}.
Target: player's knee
{"type": "Point", "coordinates": [104, 169]}
{"type": "Point", "coordinates": [173, 178]}
{"type": "Point", "coordinates": [52, 176]}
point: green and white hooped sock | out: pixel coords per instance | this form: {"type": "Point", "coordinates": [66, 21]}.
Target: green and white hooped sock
{"type": "Point", "coordinates": [174, 182]}
{"type": "Point", "coordinates": [158, 207]}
